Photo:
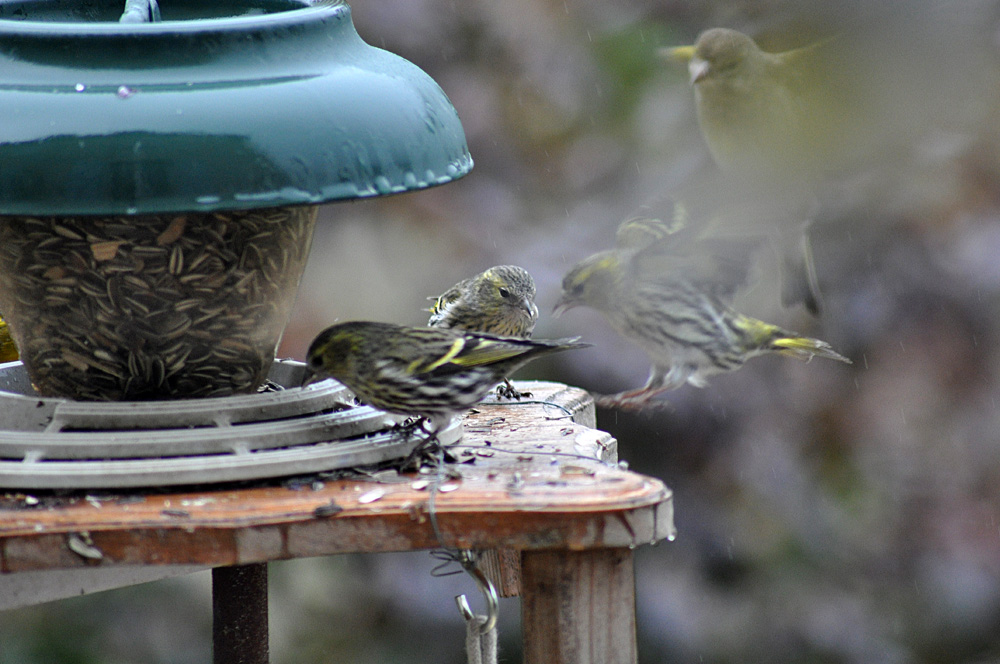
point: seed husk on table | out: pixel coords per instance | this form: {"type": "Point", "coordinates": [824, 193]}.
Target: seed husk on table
{"type": "Point", "coordinates": [154, 306]}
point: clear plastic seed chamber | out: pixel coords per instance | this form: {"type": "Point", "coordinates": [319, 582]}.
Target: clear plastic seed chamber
{"type": "Point", "coordinates": [151, 307]}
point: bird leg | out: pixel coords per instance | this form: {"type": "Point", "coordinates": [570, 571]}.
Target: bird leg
{"type": "Point", "coordinates": [800, 284]}
{"type": "Point", "coordinates": [632, 400]}
{"type": "Point", "coordinates": [659, 381]}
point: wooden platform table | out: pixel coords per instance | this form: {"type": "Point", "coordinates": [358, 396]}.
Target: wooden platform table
{"type": "Point", "coordinates": [534, 483]}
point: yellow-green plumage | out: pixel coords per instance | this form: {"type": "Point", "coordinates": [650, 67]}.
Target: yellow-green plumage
{"type": "Point", "coordinates": [769, 115]}
{"type": "Point", "coordinates": [675, 310]}
{"type": "Point", "coordinates": [8, 351]}
{"type": "Point", "coordinates": [499, 300]}
{"type": "Point", "coordinates": [643, 230]}
{"type": "Point", "coordinates": [768, 338]}
{"type": "Point", "coordinates": [422, 371]}
{"type": "Point", "coordinates": [776, 124]}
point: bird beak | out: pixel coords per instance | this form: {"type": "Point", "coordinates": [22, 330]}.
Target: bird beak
{"type": "Point", "coordinates": [562, 306]}
{"type": "Point", "coordinates": [681, 54]}
{"type": "Point", "coordinates": [529, 307]}
{"type": "Point", "coordinates": [698, 69]}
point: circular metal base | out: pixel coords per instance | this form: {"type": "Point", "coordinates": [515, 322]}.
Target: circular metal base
{"type": "Point", "coordinates": [48, 443]}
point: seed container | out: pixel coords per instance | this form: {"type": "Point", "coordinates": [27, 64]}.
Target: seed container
{"type": "Point", "coordinates": [152, 306]}
{"type": "Point", "coordinates": [159, 180]}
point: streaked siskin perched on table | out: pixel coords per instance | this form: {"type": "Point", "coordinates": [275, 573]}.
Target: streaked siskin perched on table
{"type": "Point", "coordinates": [426, 372]}
{"type": "Point", "coordinates": [500, 300]}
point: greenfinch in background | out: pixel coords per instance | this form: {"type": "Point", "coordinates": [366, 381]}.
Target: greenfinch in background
{"type": "Point", "coordinates": [774, 123]}
{"type": "Point", "coordinates": [765, 115]}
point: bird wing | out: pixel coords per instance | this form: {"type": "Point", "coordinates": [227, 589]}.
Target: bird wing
{"type": "Point", "coordinates": [443, 304]}
{"type": "Point", "coordinates": [479, 351]}
{"type": "Point", "coordinates": [807, 56]}
{"type": "Point", "coordinates": [467, 352]}
{"type": "Point", "coordinates": [816, 78]}
{"type": "Point", "coordinates": [639, 232]}
{"type": "Point", "coordinates": [718, 264]}
{"type": "Point", "coordinates": [652, 222]}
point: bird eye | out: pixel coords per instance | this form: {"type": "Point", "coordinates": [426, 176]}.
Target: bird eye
{"type": "Point", "coordinates": [504, 292]}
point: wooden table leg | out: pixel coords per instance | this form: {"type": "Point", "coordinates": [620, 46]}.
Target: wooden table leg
{"type": "Point", "coordinates": [578, 607]}
{"type": "Point", "coordinates": [239, 614]}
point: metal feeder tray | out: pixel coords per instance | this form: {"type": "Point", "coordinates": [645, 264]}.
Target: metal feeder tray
{"type": "Point", "coordinates": [49, 443]}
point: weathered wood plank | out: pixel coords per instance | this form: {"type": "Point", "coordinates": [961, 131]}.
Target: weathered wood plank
{"type": "Point", "coordinates": [503, 568]}
{"type": "Point", "coordinates": [578, 607]}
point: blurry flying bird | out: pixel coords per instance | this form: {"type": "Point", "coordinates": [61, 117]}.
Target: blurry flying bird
{"type": "Point", "coordinates": [774, 123]}
{"type": "Point", "coordinates": [765, 115]}
{"type": "Point", "coordinates": [677, 309]}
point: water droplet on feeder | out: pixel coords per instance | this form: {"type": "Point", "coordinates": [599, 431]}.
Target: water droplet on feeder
{"type": "Point", "coordinates": [80, 87]}
{"type": "Point", "coordinates": [382, 184]}
{"type": "Point", "coordinates": [124, 92]}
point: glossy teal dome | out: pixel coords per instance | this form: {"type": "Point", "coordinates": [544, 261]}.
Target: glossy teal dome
{"type": "Point", "coordinates": [220, 106]}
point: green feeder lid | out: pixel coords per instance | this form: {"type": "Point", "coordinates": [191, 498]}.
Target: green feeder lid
{"type": "Point", "coordinates": [224, 105]}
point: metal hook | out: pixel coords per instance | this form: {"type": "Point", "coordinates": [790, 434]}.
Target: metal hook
{"type": "Point", "coordinates": [468, 562]}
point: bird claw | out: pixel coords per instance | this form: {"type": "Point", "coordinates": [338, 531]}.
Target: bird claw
{"type": "Point", "coordinates": [507, 391]}
{"type": "Point", "coordinates": [430, 453]}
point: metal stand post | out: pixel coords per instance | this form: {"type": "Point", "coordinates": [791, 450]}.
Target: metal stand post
{"type": "Point", "coordinates": [239, 614]}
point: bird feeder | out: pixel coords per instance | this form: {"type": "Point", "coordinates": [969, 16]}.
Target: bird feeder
{"type": "Point", "coordinates": [159, 180]}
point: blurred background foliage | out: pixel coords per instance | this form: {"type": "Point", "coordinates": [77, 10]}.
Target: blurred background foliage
{"type": "Point", "coordinates": [825, 513]}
